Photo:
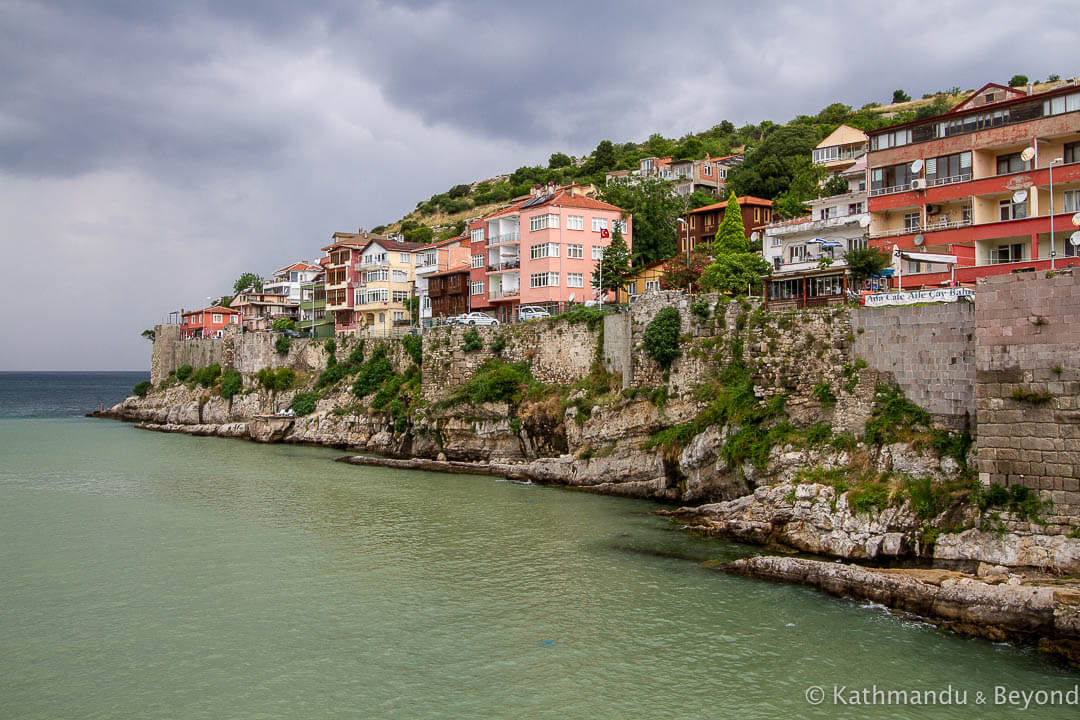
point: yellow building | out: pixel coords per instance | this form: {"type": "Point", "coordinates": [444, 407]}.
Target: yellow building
{"type": "Point", "coordinates": [643, 279]}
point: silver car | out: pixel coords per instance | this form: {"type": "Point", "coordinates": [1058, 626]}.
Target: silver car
{"type": "Point", "coordinates": [532, 312]}
{"type": "Point", "coordinates": [476, 318]}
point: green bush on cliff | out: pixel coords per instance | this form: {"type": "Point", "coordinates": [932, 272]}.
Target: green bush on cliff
{"type": "Point", "coordinates": [283, 323]}
{"type": "Point", "coordinates": [471, 341]}
{"type": "Point", "coordinates": [231, 383]}
{"type": "Point", "coordinates": [495, 381]}
{"type": "Point", "coordinates": [662, 337]}
{"type": "Point", "coordinates": [894, 417]}
{"type": "Point", "coordinates": [276, 380]}
{"type": "Point", "coordinates": [332, 375]}
{"type": "Point", "coordinates": [303, 403]}
{"type": "Point", "coordinates": [208, 375]}
{"type": "Point", "coordinates": [414, 345]}
{"type": "Point", "coordinates": [142, 388]}
{"type": "Point", "coordinates": [330, 346]}
{"type": "Point", "coordinates": [356, 355]}
{"type": "Point", "coordinates": [282, 344]}
{"type": "Point", "coordinates": [184, 372]}
{"type": "Point", "coordinates": [372, 373]}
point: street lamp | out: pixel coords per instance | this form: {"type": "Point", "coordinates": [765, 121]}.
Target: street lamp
{"type": "Point", "coordinates": [1053, 162]}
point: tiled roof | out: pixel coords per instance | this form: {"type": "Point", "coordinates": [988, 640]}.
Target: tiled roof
{"type": "Point", "coordinates": [788, 223]}
{"type": "Point", "coordinates": [300, 266]}
{"type": "Point", "coordinates": [213, 309]}
{"type": "Point", "coordinates": [565, 199]}
{"type": "Point", "coordinates": [451, 271]}
{"type": "Point", "coordinates": [744, 200]}
{"type": "Point", "coordinates": [843, 135]}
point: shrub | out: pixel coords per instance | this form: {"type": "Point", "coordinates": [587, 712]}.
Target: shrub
{"type": "Point", "coordinates": [662, 337]}
{"type": "Point", "coordinates": [332, 375]}
{"type": "Point", "coordinates": [496, 381]}
{"type": "Point", "coordinates": [280, 379]}
{"type": "Point", "coordinates": [330, 346]}
{"type": "Point", "coordinates": [142, 388]}
{"type": "Point", "coordinates": [818, 433]}
{"type": "Point", "coordinates": [865, 498]}
{"type": "Point", "coordinates": [372, 373]}
{"type": "Point", "coordinates": [283, 323]}
{"type": "Point", "coordinates": [700, 307]}
{"type": "Point", "coordinates": [304, 403]}
{"type": "Point", "coordinates": [414, 345]}
{"type": "Point", "coordinates": [893, 415]}
{"type": "Point", "coordinates": [184, 372]}
{"type": "Point", "coordinates": [824, 394]}
{"type": "Point", "coordinates": [472, 341]}
{"type": "Point", "coordinates": [208, 375]}
{"type": "Point", "coordinates": [498, 344]}
{"type": "Point", "coordinates": [231, 382]}
{"type": "Point", "coordinates": [282, 345]}
{"type": "Point", "coordinates": [356, 355]}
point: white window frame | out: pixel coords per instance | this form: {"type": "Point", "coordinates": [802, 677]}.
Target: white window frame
{"type": "Point", "coordinates": [543, 250]}
{"type": "Point", "coordinates": [575, 222]}
{"type": "Point", "coordinates": [403, 257]}
{"type": "Point", "coordinates": [377, 276]}
{"type": "Point", "coordinates": [400, 276]}
{"type": "Point", "coordinates": [575, 280]}
{"type": "Point", "coordinates": [652, 285]}
{"type": "Point", "coordinates": [599, 224]}
{"type": "Point", "coordinates": [477, 235]}
{"type": "Point", "coordinates": [476, 287]}
{"type": "Point", "coordinates": [217, 318]}
{"type": "Point", "coordinates": [544, 279]}
{"type": "Point", "coordinates": [575, 252]}
{"type": "Point", "coordinates": [1071, 199]}
{"type": "Point", "coordinates": [597, 252]}
{"type": "Point", "coordinates": [399, 295]}
{"type": "Point", "coordinates": [477, 261]}
{"type": "Point", "coordinates": [543, 222]}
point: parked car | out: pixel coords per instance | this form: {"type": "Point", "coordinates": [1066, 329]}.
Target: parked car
{"type": "Point", "coordinates": [476, 318]}
{"type": "Point", "coordinates": [532, 312]}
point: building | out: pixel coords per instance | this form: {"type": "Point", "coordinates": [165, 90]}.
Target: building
{"type": "Point", "coordinates": [688, 176]}
{"type": "Point", "coordinates": [807, 253]}
{"type": "Point", "coordinates": [439, 258]}
{"type": "Point", "coordinates": [968, 193]}
{"type": "Point", "coordinates": [369, 282]}
{"type": "Point", "coordinates": [448, 292]}
{"type": "Point", "coordinates": [840, 150]}
{"type": "Point", "coordinates": [314, 319]}
{"type": "Point", "coordinates": [756, 214]}
{"type": "Point", "coordinates": [643, 279]}
{"type": "Point", "coordinates": [207, 323]}
{"type": "Point", "coordinates": [258, 310]}
{"type": "Point", "coordinates": [541, 250]}
{"type": "Point", "coordinates": [288, 281]}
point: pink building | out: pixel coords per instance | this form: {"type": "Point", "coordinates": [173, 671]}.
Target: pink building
{"type": "Point", "coordinates": [543, 250]}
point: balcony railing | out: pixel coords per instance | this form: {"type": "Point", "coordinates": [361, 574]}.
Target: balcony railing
{"type": "Point", "coordinates": [508, 265]}
{"type": "Point", "coordinates": [875, 192]}
{"type": "Point", "coordinates": [508, 237]}
{"type": "Point", "coordinates": [930, 227]}
{"type": "Point", "coordinates": [501, 294]}
{"type": "Point", "coordinates": [950, 180]}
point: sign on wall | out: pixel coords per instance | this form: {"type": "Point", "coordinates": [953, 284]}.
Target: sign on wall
{"type": "Point", "coordinates": [912, 297]}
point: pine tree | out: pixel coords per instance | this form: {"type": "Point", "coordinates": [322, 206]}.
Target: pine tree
{"type": "Point", "coordinates": [731, 236]}
{"type": "Point", "coordinates": [613, 270]}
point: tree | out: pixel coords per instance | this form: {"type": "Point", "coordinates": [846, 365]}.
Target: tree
{"type": "Point", "coordinates": [148, 334]}
{"type": "Point", "coordinates": [559, 160]}
{"type": "Point", "coordinates": [1017, 80]}
{"type": "Point", "coordinates": [731, 235]}
{"type": "Point", "coordinates": [655, 209]}
{"type": "Point", "coordinates": [735, 273]}
{"type": "Point", "coordinates": [899, 96]}
{"type": "Point", "coordinates": [421, 234]}
{"type": "Point", "coordinates": [835, 185]}
{"type": "Point", "coordinates": [682, 272]}
{"type": "Point", "coordinates": [805, 185]}
{"type": "Point", "coordinates": [459, 191]}
{"type": "Point", "coordinates": [661, 337]}
{"type": "Point", "coordinates": [613, 270]}
{"type": "Point", "coordinates": [770, 168]}
{"type": "Point", "coordinates": [603, 158]}
{"type": "Point", "coordinates": [283, 323]}
{"type": "Point", "coordinates": [247, 281]}
{"type": "Point", "coordinates": [1053, 78]}
{"type": "Point", "coordinates": [864, 262]}
{"type": "Point", "coordinates": [699, 198]}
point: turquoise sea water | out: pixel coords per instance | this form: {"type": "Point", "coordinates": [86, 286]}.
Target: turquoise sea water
{"type": "Point", "coordinates": [145, 575]}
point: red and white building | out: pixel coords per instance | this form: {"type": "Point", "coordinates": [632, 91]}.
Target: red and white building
{"type": "Point", "coordinates": [207, 323]}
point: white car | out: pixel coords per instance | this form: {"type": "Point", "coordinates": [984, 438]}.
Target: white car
{"type": "Point", "coordinates": [476, 318]}
{"type": "Point", "coordinates": [532, 312]}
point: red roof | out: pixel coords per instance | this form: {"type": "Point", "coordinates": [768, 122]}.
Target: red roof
{"type": "Point", "coordinates": [452, 271]}
{"type": "Point", "coordinates": [214, 309]}
{"type": "Point", "coordinates": [297, 266]}
{"type": "Point", "coordinates": [744, 200]}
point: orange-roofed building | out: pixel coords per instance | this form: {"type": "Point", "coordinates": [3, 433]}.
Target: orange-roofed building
{"type": "Point", "coordinates": [704, 222]}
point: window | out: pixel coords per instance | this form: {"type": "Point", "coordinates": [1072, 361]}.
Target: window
{"type": "Point", "coordinates": [403, 257]}
{"type": "Point", "coordinates": [376, 258]}
{"type": "Point", "coordinates": [477, 287]}
{"type": "Point", "coordinates": [477, 236]}
{"type": "Point", "coordinates": [652, 285]}
{"type": "Point", "coordinates": [598, 252]}
{"type": "Point", "coordinates": [550, 279]}
{"type": "Point", "coordinates": [894, 178]}
{"type": "Point", "coordinates": [796, 253]}
{"type": "Point", "coordinates": [1072, 201]}
{"type": "Point", "coordinates": [217, 317]}
{"type": "Point", "coordinates": [1072, 152]}
{"type": "Point", "coordinates": [1063, 104]}
{"type": "Point", "coordinates": [544, 250]}
{"type": "Point", "coordinates": [890, 139]}
{"type": "Point", "coordinates": [426, 304]}
{"type": "Point", "coordinates": [478, 261]}
{"type": "Point", "coordinates": [1007, 253]}
{"type": "Point", "coordinates": [362, 297]}
{"type": "Point", "coordinates": [911, 221]}
{"type": "Point", "coordinates": [708, 170]}
{"type": "Point", "coordinates": [776, 241]}
{"type": "Point", "coordinates": [377, 275]}
{"type": "Point", "coordinates": [757, 214]}
{"type": "Point", "coordinates": [575, 222]}
{"type": "Point", "coordinates": [855, 208]}
{"type": "Point", "coordinates": [693, 221]}
{"type": "Point", "coordinates": [431, 257]}
{"type": "Point", "coordinates": [575, 280]}
{"type": "Point", "coordinates": [948, 168]}
{"type": "Point", "coordinates": [859, 243]}
{"type": "Point", "coordinates": [599, 224]}
{"type": "Point", "coordinates": [829, 212]}
{"type": "Point", "coordinates": [294, 276]}
{"type": "Point", "coordinates": [543, 222]}
{"type": "Point", "coordinates": [401, 276]}
{"type": "Point", "coordinates": [1011, 163]}
{"type": "Point", "coordinates": [825, 286]}
{"type": "Point", "coordinates": [1008, 210]}
{"type": "Point", "coordinates": [619, 225]}
{"type": "Point", "coordinates": [400, 295]}
{"type": "Point", "coordinates": [234, 319]}
{"type": "Point", "coordinates": [721, 173]}
{"type": "Point", "coordinates": [575, 251]}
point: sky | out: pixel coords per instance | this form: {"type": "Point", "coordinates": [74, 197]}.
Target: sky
{"type": "Point", "coordinates": [151, 152]}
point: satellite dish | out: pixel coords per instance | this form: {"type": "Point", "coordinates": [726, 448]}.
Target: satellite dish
{"type": "Point", "coordinates": [917, 166]}
{"type": "Point", "coordinates": [754, 236]}
{"type": "Point", "coordinates": [1076, 219]}
{"type": "Point", "coordinates": [1019, 196]}
{"type": "Point", "coordinates": [1029, 152]}
{"type": "Point", "coordinates": [865, 221]}
{"type": "Point", "coordinates": [919, 239]}
{"type": "Point", "coordinates": [572, 297]}
{"type": "Point", "coordinates": [1074, 239]}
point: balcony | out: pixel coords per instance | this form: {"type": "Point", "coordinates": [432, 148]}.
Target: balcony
{"type": "Point", "coordinates": [508, 237]}
{"type": "Point", "coordinates": [814, 225]}
{"type": "Point", "coordinates": [504, 294]}
{"type": "Point", "coordinates": [875, 192]}
{"type": "Point", "coordinates": [508, 265]}
{"type": "Point", "coordinates": [930, 227]}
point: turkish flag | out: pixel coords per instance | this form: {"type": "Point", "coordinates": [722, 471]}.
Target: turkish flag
{"type": "Point", "coordinates": [604, 234]}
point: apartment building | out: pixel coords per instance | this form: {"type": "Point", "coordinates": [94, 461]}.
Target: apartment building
{"type": "Point", "coordinates": [541, 250]}
{"type": "Point", "coordinates": [258, 310]}
{"type": "Point", "coordinates": [709, 174]}
{"type": "Point", "coordinates": [293, 281]}
{"type": "Point", "coordinates": [704, 221]}
{"type": "Point", "coordinates": [369, 281]}
{"type": "Point", "coordinates": [207, 323]}
{"type": "Point", "coordinates": [807, 253]}
{"type": "Point", "coordinates": [444, 259]}
{"type": "Point", "coordinates": [988, 187]}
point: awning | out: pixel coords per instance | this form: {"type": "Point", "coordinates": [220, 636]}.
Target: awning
{"type": "Point", "coordinates": [928, 257]}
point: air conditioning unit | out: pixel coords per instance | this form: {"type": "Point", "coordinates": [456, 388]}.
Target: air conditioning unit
{"type": "Point", "coordinates": [918, 184]}
{"type": "Point", "coordinates": [933, 209]}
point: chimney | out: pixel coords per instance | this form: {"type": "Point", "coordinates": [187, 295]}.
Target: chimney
{"type": "Point", "coordinates": [1029, 88]}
